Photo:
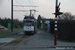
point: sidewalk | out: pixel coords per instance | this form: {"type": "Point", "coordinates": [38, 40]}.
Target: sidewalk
{"type": "Point", "coordinates": [44, 39]}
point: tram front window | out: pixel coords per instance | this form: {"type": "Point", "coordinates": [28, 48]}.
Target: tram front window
{"type": "Point", "coordinates": [29, 24]}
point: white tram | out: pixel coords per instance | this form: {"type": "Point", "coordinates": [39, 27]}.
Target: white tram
{"type": "Point", "coordinates": [30, 25]}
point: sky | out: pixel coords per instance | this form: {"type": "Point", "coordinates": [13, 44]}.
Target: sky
{"type": "Point", "coordinates": [45, 8]}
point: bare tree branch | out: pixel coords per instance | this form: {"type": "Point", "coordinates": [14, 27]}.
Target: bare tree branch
{"type": "Point", "coordinates": [67, 16]}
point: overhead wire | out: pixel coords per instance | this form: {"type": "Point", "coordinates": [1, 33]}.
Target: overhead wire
{"type": "Point", "coordinates": [19, 4]}
{"type": "Point", "coordinates": [30, 1]}
{"type": "Point", "coordinates": [32, 4]}
{"type": "Point", "coordinates": [9, 0]}
{"type": "Point", "coordinates": [23, 7]}
{"type": "Point", "coordinates": [16, 6]}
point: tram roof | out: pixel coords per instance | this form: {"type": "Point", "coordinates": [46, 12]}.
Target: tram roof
{"type": "Point", "coordinates": [29, 17]}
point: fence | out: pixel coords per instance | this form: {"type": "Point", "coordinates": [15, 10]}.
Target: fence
{"type": "Point", "coordinates": [66, 30]}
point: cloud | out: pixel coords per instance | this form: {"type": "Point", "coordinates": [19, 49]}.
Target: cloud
{"type": "Point", "coordinates": [5, 9]}
{"type": "Point", "coordinates": [46, 7]}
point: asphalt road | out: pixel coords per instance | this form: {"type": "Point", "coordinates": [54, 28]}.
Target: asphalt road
{"type": "Point", "coordinates": [43, 41]}
{"type": "Point", "coordinates": [39, 41]}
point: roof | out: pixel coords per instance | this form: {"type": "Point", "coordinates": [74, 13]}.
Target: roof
{"type": "Point", "coordinates": [28, 17]}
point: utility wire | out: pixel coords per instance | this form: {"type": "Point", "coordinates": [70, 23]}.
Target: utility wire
{"type": "Point", "coordinates": [9, 0]}
{"type": "Point", "coordinates": [30, 2]}
{"type": "Point", "coordinates": [19, 4]}
{"type": "Point", "coordinates": [33, 5]}
{"type": "Point", "coordinates": [16, 7]}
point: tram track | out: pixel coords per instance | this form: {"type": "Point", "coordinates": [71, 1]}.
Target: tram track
{"type": "Point", "coordinates": [13, 35]}
{"type": "Point", "coordinates": [10, 42]}
{"type": "Point", "coordinates": [22, 42]}
{"type": "Point", "coordinates": [18, 37]}
{"type": "Point", "coordinates": [18, 41]}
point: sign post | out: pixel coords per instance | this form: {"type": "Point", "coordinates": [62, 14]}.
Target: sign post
{"type": "Point", "coordinates": [57, 13]}
{"type": "Point", "coordinates": [55, 29]}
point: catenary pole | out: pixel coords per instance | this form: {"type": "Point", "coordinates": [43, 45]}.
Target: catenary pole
{"type": "Point", "coordinates": [55, 29]}
{"type": "Point", "coordinates": [30, 12]}
{"type": "Point", "coordinates": [11, 15]}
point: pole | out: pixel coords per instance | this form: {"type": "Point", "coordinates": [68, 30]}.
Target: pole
{"type": "Point", "coordinates": [30, 12]}
{"type": "Point", "coordinates": [11, 15]}
{"type": "Point", "coordinates": [55, 30]}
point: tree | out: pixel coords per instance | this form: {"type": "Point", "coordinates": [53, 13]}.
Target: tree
{"type": "Point", "coordinates": [66, 16]}
{"type": "Point", "coordinates": [4, 22]}
{"type": "Point", "coordinates": [38, 21]}
{"type": "Point", "coordinates": [20, 23]}
{"type": "Point", "coordinates": [17, 23]}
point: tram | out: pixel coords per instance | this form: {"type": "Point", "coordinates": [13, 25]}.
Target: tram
{"type": "Point", "coordinates": [30, 25]}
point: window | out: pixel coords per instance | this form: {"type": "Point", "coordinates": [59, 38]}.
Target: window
{"type": "Point", "coordinates": [30, 23]}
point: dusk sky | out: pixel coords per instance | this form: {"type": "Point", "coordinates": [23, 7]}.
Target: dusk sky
{"type": "Point", "coordinates": [46, 8]}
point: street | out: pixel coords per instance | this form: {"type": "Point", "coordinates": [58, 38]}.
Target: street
{"type": "Point", "coordinates": [43, 41]}
{"type": "Point", "coordinates": [39, 41]}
